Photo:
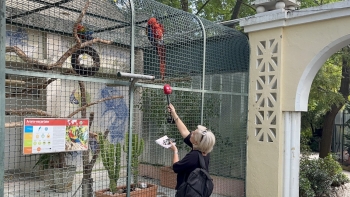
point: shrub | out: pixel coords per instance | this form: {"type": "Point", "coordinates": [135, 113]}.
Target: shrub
{"type": "Point", "coordinates": [305, 188]}
{"type": "Point", "coordinates": [317, 176]}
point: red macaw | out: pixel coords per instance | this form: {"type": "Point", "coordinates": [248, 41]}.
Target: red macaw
{"type": "Point", "coordinates": [84, 33]}
{"type": "Point", "coordinates": [74, 138]}
{"type": "Point", "coordinates": [155, 32]}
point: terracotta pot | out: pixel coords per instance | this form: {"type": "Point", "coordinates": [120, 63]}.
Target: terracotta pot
{"type": "Point", "coordinates": [150, 191]}
{"type": "Point", "coordinates": [168, 177]}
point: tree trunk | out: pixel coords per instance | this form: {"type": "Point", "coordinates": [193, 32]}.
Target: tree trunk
{"type": "Point", "coordinates": [327, 131]}
{"type": "Point", "coordinates": [184, 5]}
{"type": "Point", "coordinates": [236, 9]}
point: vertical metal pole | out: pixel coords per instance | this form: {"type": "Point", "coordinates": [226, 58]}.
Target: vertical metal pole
{"type": "Point", "coordinates": [131, 94]}
{"type": "Point", "coordinates": [204, 56]}
{"type": "Point", "coordinates": [2, 92]}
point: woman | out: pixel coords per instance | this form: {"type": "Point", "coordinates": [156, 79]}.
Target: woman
{"type": "Point", "coordinates": [201, 140]}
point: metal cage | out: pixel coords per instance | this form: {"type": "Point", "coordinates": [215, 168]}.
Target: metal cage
{"type": "Point", "coordinates": [98, 67]}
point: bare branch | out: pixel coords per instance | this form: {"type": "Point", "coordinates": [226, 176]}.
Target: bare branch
{"type": "Point", "coordinates": [83, 98]}
{"type": "Point", "coordinates": [79, 19]}
{"type": "Point", "coordinates": [200, 9]}
{"type": "Point", "coordinates": [14, 82]}
{"type": "Point", "coordinates": [91, 119]}
{"type": "Point", "coordinates": [95, 40]}
{"type": "Point", "coordinates": [251, 7]}
{"type": "Point", "coordinates": [27, 111]}
{"type": "Point", "coordinates": [94, 103]}
{"type": "Point", "coordinates": [13, 124]}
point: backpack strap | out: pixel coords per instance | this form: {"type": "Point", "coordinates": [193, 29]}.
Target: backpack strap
{"type": "Point", "coordinates": [201, 160]}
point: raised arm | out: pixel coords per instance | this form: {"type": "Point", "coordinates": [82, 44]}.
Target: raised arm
{"type": "Point", "coordinates": [180, 125]}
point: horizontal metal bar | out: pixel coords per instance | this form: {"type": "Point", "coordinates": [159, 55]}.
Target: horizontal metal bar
{"type": "Point", "coordinates": [136, 76]}
{"type": "Point", "coordinates": [190, 89]}
{"type": "Point", "coordinates": [61, 33]}
{"type": "Point", "coordinates": [10, 22]}
{"type": "Point", "coordinates": [48, 5]}
{"type": "Point", "coordinates": [94, 15]}
{"type": "Point", "coordinates": [136, 24]}
{"type": "Point", "coordinates": [67, 77]}
{"type": "Point", "coordinates": [58, 5]}
{"type": "Point", "coordinates": [78, 11]}
{"type": "Point", "coordinates": [111, 81]}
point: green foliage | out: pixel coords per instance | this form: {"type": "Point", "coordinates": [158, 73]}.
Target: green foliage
{"type": "Point", "coordinates": [136, 151]}
{"type": "Point", "coordinates": [45, 160]}
{"type": "Point", "coordinates": [324, 93]}
{"type": "Point", "coordinates": [214, 10]}
{"type": "Point", "coordinates": [347, 142]}
{"type": "Point", "coordinates": [52, 160]}
{"type": "Point", "coordinates": [347, 133]}
{"type": "Point", "coordinates": [175, 4]}
{"type": "Point", "coordinates": [313, 3]}
{"type": "Point", "coordinates": [305, 189]}
{"type": "Point", "coordinates": [317, 176]}
{"type": "Point", "coordinates": [218, 10]}
{"type": "Point", "coordinates": [306, 134]}
{"type": "Point", "coordinates": [324, 90]}
{"type": "Point", "coordinates": [111, 159]}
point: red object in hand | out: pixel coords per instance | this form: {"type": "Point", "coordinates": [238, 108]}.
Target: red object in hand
{"type": "Point", "coordinates": [167, 89]}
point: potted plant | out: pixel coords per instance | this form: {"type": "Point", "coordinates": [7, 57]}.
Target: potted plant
{"type": "Point", "coordinates": [44, 169]}
{"type": "Point", "coordinates": [57, 174]}
{"type": "Point", "coordinates": [137, 146]}
{"type": "Point", "coordinates": [111, 158]}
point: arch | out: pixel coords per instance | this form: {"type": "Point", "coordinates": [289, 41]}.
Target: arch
{"type": "Point", "coordinates": [304, 85]}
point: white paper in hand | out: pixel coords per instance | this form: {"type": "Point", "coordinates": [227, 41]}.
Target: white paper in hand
{"type": "Point", "coordinates": [164, 141]}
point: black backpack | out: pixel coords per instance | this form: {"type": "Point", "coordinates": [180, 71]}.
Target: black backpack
{"type": "Point", "coordinates": [198, 183]}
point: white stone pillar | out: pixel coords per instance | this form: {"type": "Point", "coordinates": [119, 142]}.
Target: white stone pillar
{"type": "Point", "coordinates": [291, 154]}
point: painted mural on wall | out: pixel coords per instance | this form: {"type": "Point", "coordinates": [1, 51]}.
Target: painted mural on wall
{"type": "Point", "coordinates": [64, 98]}
{"type": "Point", "coordinates": [20, 37]}
{"type": "Point", "coordinates": [114, 113]}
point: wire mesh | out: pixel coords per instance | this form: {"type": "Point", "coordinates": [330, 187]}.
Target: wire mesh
{"type": "Point", "coordinates": [62, 59]}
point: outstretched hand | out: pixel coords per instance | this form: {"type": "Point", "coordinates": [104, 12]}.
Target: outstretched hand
{"type": "Point", "coordinates": [171, 109]}
{"type": "Point", "coordinates": [173, 147]}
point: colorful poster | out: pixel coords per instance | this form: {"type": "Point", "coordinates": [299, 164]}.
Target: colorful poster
{"type": "Point", "coordinates": [48, 135]}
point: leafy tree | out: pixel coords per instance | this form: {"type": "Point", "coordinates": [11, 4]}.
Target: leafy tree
{"type": "Point", "coordinates": [323, 93]}
{"type": "Point", "coordinates": [313, 3]}
{"type": "Point", "coordinates": [329, 92]}
{"type": "Point", "coordinates": [342, 59]}
{"type": "Point", "coordinates": [184, 5]}
{"type": "Point", "coordinates": [214, 10]}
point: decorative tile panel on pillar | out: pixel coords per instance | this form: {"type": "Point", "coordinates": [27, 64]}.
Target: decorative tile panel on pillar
{"type": "Point", "coordinates": [265, 139]}
{"type": "Point", "coordinates": [266, 94]}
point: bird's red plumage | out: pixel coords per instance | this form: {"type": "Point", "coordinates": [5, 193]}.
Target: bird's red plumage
{"type": "Point", "coordinates": [158, 33]}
